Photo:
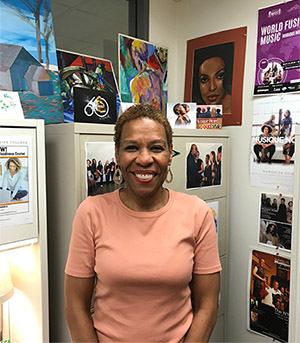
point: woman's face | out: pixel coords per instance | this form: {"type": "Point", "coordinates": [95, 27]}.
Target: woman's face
{"type": "Point", "coordinates": [211, 76]}
{"type": "Point", "coordinates": [211, 157]}
{"type": "Point", "coordinates": [12, 167]}
{"type": "Point", "coordinates": [143, 156]}
{"type": "Point", "coordinates": [266, 131]}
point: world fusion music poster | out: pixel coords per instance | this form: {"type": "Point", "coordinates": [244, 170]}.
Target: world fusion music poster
{"type": "Point", "coordinates": [278, 54]}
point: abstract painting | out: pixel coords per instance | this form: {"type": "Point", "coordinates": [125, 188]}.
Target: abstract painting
{"type": "Point", "coordinates": [143, 72]}
{"type": "Point", "coordinates": [84, 72]}
{"type": "Point", "coordinates": [28, 59]}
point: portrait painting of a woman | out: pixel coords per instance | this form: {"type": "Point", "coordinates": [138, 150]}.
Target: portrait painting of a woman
{"type": "Point", "coordinates": [212, 75]}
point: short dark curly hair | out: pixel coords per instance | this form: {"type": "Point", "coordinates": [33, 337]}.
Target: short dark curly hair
{"type": "Point", "coordinates": [139, 111]}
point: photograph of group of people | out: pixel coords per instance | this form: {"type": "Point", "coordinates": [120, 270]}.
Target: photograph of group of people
{"type": "Point", "coordinates": [276, 212]}
{"type": "Point", "coordinates": [269, 291]}
{"type": "Point", "coordinates": [101, 168]}
{"type": "Point", "coordinates": [273, 140]}
{"type": "Point", "coordinates": [182, 115]}
{"type": "Point", "coordinates": [209, 117]}
{"type": "Point", "coordinates": [203, 165]}
{"type": "Point", "coordinates": [272, 74]}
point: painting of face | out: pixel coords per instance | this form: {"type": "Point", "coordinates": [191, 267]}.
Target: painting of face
{"type": "Point", "coordinates": [144, 157]}
{"type": "Point", "coordinates": [211, 76]}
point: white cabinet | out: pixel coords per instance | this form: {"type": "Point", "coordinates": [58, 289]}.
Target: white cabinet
{"type": "Point", "coordinates": [66, 181]}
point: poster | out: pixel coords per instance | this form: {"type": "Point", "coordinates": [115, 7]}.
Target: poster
{"type": "Point", "coordinates": [82, 71]}
{"type": "Point", "coordinates": [214, 205]}
{"type": "Point", "coordinates": [143, 70]}
{"type": "Point", "coordinates": [182, 115]}
{"type": "Point", "coordinates": [16, 180]}
{"type": "Point", "coordinates": [100, 168]}
{"type": "Point", "coordinates": [278, 54]}
{"type": "Point", "coordinates": [28, 62]}
{"type": "Point", "coordinates": [10, 105]}
{"type": "Point", "coordinates": [209, 117]}
{"type": "Point", "coordinates": [269, 295]}
{"type": "Point", "coordinates": [272, 141]}
{"type": "Point", "coordinates": [203, 165]}
{"type": "Point", "coordinates": [275, 220]}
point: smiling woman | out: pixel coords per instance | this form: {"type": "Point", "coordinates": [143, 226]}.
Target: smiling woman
{"type": "Point", "coordinates": [212, 75]}
{"type": "Point", "coordinates": [145, 245]}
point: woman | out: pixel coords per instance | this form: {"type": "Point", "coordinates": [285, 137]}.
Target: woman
{"type": "Point", "coordinates": [271, 236]}
{"type": "Point", "coordinates": [286, 124]}
{"type": "Point", "coordinates": [212, 169]}
{"type": "Point", "coordinates": [100, 170]}
{"type": "Point", "coordinates": [212, 76]}
{"type": "Point", "coordinates": [182, 114]}
{"type": "Point", "coordinates": [13, 178]}
{"type": "Point", "coordinates": [106, 171]}
{"type": "Point", "coordinates": [264, 149]}
{"type": "Point", "coordinates": [145, 244]}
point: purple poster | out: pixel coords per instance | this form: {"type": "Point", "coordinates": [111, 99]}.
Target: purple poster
{"type": "Point", "coordinates": [278, 54]}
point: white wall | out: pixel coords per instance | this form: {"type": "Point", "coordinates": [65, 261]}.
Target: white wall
{"type": "Point", "coordinates": [172, 24]}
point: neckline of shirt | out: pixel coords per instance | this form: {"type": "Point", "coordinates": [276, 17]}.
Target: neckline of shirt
{"type": "Point", "coordinates": [144, 214]}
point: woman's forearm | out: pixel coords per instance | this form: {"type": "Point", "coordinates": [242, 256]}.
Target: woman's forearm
{"type": "Point", "coordinates": [81, 326]}
{"type": "Point", "coordinates": [202, 326]}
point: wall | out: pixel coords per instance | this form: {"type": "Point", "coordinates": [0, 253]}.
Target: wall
{"type": "Point", "coordinates": [172, 24]}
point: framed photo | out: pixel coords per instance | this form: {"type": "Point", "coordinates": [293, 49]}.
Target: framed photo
{"type": "Point", "coordinates": [215, 72]}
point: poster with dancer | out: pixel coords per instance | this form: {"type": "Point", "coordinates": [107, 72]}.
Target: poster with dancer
{"type": "Point", "coordinates": [273, 141]}
{"type": "Point", "coordinates": [28, 63]}
{"type": "Point", "coordinates": [269, 295]}
{"type": "Point", "coordinates": [275, 220]}
{"type": "Point", "coordinates": [278, 54]}
{"type": "Point", "coordinates": [143, 72]}
{"type": "Point", "coordinates": [182, 115]}
{"type": "Point", "coordinates": [83, 71]}
{"type": "Point", "coordinates": [100, 168]}
{"type": "Point", "coordinates": [203, 165]}
{"type": "Point", "coordinates": [16, 182]}
{"type": "Point", "coordinates": [214, 205]}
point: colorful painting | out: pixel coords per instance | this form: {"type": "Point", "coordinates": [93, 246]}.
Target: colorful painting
{"type": "Point", "coordinates": [143, 72]}
{"type": "Point", "coordinates": [28, 59]}
{"type": "Point", "coordinates": [84, 71]}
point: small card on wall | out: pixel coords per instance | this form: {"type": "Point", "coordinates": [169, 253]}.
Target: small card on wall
{"type": "Point", "coordinates": [93, 106]}
{"type": "Point", "coordinates": [10, 105]}
{"type": "Point", "coordinates": [209, 116]}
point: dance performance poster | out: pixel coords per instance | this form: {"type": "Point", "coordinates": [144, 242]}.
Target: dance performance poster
{"type": "Point", "coordinates": [16, 180]}
{"type": "Point", "coordinates": [269, 295]}
{"type": "Point", "coordinates": [273, 141]}
{"type": "Point", "coordinates": [278, 54]}
{"type": "Point", "coordinates": [275, 221]}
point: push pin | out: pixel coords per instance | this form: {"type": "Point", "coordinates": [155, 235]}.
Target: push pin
{"type": "Point", "coordinates": [277, 186]}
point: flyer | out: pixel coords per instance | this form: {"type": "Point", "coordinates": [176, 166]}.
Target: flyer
{"type": "Point", "coordinates": [269, 295]}
{"type": "Point", "coordinates": [16, 180]}
{"type": "Point", "coordinates": [209, 117]}
{"type": "Point", "coordinates": [275, 220]}
{"type": "Point", "coordinates": [273, 141]}
{"type": "Point", "coordinates": [278, 54]}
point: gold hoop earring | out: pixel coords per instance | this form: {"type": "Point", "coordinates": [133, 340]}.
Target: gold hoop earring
{"type": "Point", "coordinates": [118, 176]}
{"type": "Point", "coordinates": [171, 176]}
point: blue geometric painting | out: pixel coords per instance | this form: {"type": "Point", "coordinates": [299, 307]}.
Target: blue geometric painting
{"type": "Point", "coordinates": [28, 62]}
